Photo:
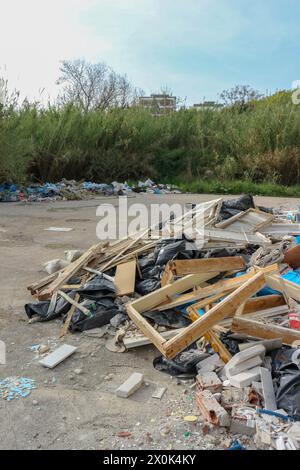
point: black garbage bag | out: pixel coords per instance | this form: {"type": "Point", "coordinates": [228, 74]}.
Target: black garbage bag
{"type": "Point", "coordinates": [231, 344]}
{"type": "Point", "coordinates": [146, 286]}
{"type": "Point", "coordinates": [100, 314]}
{"type": "Point", "coordinates": [42, 308]}
{"type": "Point", "coordinates": [235, 206]}
{"type": "Point", "coordinates": [169, 318]}
{"type": "Point", "coordinates": [287, 381]}
{"type": "Point", "coordinates": [147, 264]}
{"type": "Point", "coordinates": [183, 365]}
{"type": "Point", "coordinates": [97, 288]}
{"type": "Point", "coordinates": [288, 393]}
{"type": "Point", "coordinates": [180, 249]}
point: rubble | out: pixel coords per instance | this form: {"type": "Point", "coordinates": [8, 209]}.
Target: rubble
{"type": "Point", "coordinates": [220, 314]}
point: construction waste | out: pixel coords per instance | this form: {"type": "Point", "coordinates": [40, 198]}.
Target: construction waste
{"type": "Point", "coordinates": [72, 190]}
{"type": "Point", "coordinates": [225, 314]}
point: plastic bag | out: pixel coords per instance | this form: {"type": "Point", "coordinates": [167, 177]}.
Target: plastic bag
{"type": "Point", "coordinates": [97, 288]}
{"type": "Point", "coordinates": [235, 206]}
{"type": "Point", "coordinates": [169, 318]}
{"type": "Point", "coordinates": [100, 316]}
{"type": "Point", "coordinates": [181, 249]}
{"type": "Point", "coordinates": [41, 309]}
{"type": "Point", "coordinates": [183, 365]}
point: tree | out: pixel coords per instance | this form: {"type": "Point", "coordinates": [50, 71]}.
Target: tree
{"type": "Point", "coordinates": [94, 86]}
{"type": "Point", "coordinates": [8, 100]}
{"type": "Point", "coordinates": [240, 96]}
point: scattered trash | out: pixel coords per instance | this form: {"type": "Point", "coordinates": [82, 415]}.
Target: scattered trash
{"type": "Point", "coordinates": [73, 190]}
{"type": "Point", "coordinates": [16, 387]}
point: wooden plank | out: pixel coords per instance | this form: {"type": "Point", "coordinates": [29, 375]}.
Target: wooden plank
{"type": "Point", "coordinates": [80, 307]}
{"type": "Point", "coordinates": [222, 310]}
{"type": "Point", "coordinates": [263, 303]}
{"type": "Point", "coordinates": [146, 328]}
{"type": "Point", "coordinates": [290, 289]}
{"type": "Point", "coordinates": [252, 220]}
{"type": "Point", "coordinates": [227, 236]}
{"type": "Point", "coordinates": [220, 287]}
{"type": "Point", "coordinates": [125, 278]}
{"type": "Point", "coordinates": [65, 327]}
{"type": "Point", "coordinates": [207, 265]}
{"type": "Point", "coordinates": [218, 346]}
{"type": "Point", "coordinates": [165, 293]}
{"type": "Point", "coordinates": [264, 331]}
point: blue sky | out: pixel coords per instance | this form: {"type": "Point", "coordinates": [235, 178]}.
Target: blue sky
{"type": "Point", "coordinates": [196, 48]}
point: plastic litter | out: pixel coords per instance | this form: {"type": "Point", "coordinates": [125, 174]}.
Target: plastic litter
{"type": "Point", "coordinates": [16, 387]}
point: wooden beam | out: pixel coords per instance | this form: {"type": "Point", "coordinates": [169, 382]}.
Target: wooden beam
{"type": "Point", "coordinates": [207, 265]}
{"type": "Point", "coordinates": [264, 331]}
{"type": "Point", "coordinates": [290, 289]}
{"type": "Point", "coordinates": [165, 293]}
{"type": "Point", "coordinates": [146, 328]}
{"type": "Point", "coordinates": [220, 287]}
{"type": "Point", "coordinates": [222, 310]}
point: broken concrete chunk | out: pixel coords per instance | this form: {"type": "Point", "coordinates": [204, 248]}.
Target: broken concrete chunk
{"type": "Point", "coordinates": [212, 411]}
{"type": "Point", "coordinates": [209, 381]}
{"type": "Point", "coordinates": [159, 393]}
{"type": "Point", "coordinates": [258, 350]}
{"type": "Point", "coordinates": [268, 390]}
{"type": "Point", "coordinates": [131, 385]}
{"type": "Point", "coordinates": [210, 364]}
{"type": "Point", "coordinates": [245, 378]}
{"type": "Point", "coordinates": [243, 366]}
{"type": "Point", "coordinates": [57, 356]}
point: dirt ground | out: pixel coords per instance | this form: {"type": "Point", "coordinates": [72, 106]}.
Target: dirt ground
{"type": "Point", "coordinates": [80, 411]}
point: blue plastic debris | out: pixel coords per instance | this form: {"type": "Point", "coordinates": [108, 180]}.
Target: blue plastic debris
{"type": "Point", "coordinates": [236, 445]}
{"type": "Point", "coordinates": [273, 413]}
{"type": "Point", "coordinates": [16, 387]}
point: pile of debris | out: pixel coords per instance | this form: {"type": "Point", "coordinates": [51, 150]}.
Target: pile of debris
{"type": "Point", "coordinates": [225, 313]}
{"type": "Point", "coordinates": [73, 190]}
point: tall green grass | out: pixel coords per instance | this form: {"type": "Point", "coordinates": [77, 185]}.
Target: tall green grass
{"type": "Point", "coordinates": [208, 150]}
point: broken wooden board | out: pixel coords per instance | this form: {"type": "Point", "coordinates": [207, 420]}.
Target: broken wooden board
{"type": "Point", "coordinates": [221, 287]}
{"type": "Point", "coordinates": [290, 289]}
{"type": "Point", "coordinates": [250, 221]}
{"type": "Point", "coordinates": [257, 329]}
{"type": "Point", "coordinates": [220, 311]}
{"type": "Point", "coordinates": [206, 265]}
{"type": "Point", "coordinates": [181, 268]}
{"type": "Point", "coordinates": [231, 237]}
{"type": "Point", "coordinates": [125, 278]}
{"type": "Point", "coordinates": [193, 332]}
{"type": "Point", "coordinates": [165, 293]}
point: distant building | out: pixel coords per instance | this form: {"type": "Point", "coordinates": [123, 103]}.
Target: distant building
{"type": "Point", "coordinates": [207, 105]}
{"type": "Point", "coordinates": [159, 104]}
